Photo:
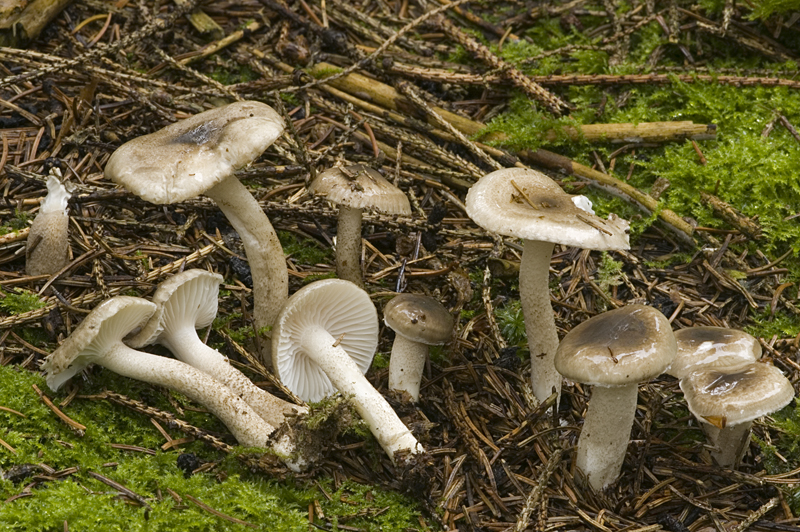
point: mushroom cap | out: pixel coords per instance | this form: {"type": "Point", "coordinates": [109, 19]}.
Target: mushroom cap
{"type": "Point", "coordinates": [619, 347]}
{"type": "Point", "coordinates": [340, 307]}
{"type": "Point", "coordinates": [419, 318]}
{"type": "Point", "coordinates": [360, 187]}
{"type": "Point", "coordinates": [188, 298]}
{"type": "Point", "coordinates": [104, 326]}
{"type": "Point", "coordinates": [718, 347]}
{"type": "Point", "coordinates": [543, 213]}
{"type": "Point", "coordinates": [728, 397]}
{"type": "Point", "coordinates": [186, 158]}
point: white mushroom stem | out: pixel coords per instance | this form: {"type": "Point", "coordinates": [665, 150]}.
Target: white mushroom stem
{"type": "Point", "coordinates": [245, 425]}
{"type": "Point", "coordinates": [540, 325]}
{"type": "Point", "coordinates": [264, 252]}
{"type": "Point", "coordinates": [348, 245]}
{"type": "Point", "coordinates": [183, 341]}
{"type": "Point", "coordinates": [730, 442]}
{"type": "Point", "coordinates": [605, 434]}
{"type": "Point", "coordinates": [382, 420]}
{"type": "Point", "coordinates": [406, 365]}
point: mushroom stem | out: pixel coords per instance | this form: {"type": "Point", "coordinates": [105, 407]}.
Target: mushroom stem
{"type": "Point", "coordinates": [730, 442]}
{"type": "Point", "coordinates": [605, 434]}
{"type": "Point", "coordinates": [387, 428]}
{"type": "Point", "coordinates": [540, 325]}
{"type": "Point", "coordinates": [245, 425]}
{"type": "Point", "coordinates": [406, 365]}
{"type": "Point", "coordinates": [187, 347]}
{"type": "Point", "coordinates": [348, 245]}
{"type": "Point", "coordinates": [264, 253]}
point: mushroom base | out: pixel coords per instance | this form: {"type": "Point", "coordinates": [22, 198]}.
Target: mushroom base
{"type": "Point", "coordinates": [406, 365]}
{"type": "Point", "coordinates": [605, 434]}
{"type": "Point", "coordinates": [730, 443]}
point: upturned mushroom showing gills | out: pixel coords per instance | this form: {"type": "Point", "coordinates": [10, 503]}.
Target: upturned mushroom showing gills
{"type": "Point", "coordinates": [47, 249]}
{"type": "Point", "coordinates": [418, 321]}
{"type": "Point", "coordinates": [614, 352]}
{"type": "Point", "coordinates": [324, 340]}
{"type": "Point", "coordinates": [527, 204]}
{"type": "Point", "coordinates": [98, 340]}
{"type": "Point", "coordinates": [199, 156]}
{"type": "Point", "coordinates": [712, 348]}
{"type": "Point", "coordinates": [727, 400]}
{"type": "Point", "coordinates": [355, 188]}
{"type": "Point", "coordinates": [187, 301]}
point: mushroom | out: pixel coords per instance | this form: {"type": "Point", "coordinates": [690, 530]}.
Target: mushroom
{"type": "Point", "coordinates": [185, 302]}
{"type": "Point", "coordinates": [98, 340]}
{"type": "Point", "coordinates": [527, 204]}
{"type": "Point", "coordinates": [614, 352]}
{"type": "Point", "coordinates": [199, 156]}
{"type": "Point", "coordinates": [727, 400]}
{"type": "Point", "coordinates": [47, 250]}
{"type": "Point", "coordinates": [418, 321]}
{"type": "Point", "coordinates": [324, 340]}
{"type": "Point", "coordinates": [355, 188]}
{"type": "Point", "coordinates": [712, 347]}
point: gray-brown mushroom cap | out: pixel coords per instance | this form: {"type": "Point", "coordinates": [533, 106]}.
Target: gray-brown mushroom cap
{"type": "Point", "coordinates": [733, 396]}
{"type": "Point", "coordinates": [107, 324]}
{"type": "Point", "coordinates": [619, 347]}
{"type": "Point", "coordinates": [712, 347]}
{"type": "Point", "coordinates": [527, 204]}
{"type": "Point", "coordinates": [419, 318]}
{"type": "Point", "coordinates": [360, 187]}
{"type": "Point", "coordinates": [185, 159]}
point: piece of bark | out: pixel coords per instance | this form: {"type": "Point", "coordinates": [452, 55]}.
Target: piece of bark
{"type": "Point", "coordinates": [745, 225]}
{"type": "Point", "coordinates": [21, 21]}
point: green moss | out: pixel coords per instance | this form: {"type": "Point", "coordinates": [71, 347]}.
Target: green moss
{"type": "Point", "coordinates": [609, 273]}
{"type": "Point", "coordinates": [242, 74]}
{"type": "Point", "coordinates": [304, 250]}
{"type": "Point", "coordinates": [512, 323]}
{"type": "Point", "coordinates": [85, 503]}
{"type": "Point", "coordinates": [380, 360]}
{"type": "Point", "coordinates": [19, 221]}
{"type": "Point", "coordinates": [20, 301]}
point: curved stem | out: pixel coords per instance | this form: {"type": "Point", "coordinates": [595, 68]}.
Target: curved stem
{"type": "Point", "coordinates": [264, 253]}
{"type": "Point", "coordinates": [605, 434]}
{"type": "Point", "coordinates": [387, 428]}
{"type": "Point", "coordinates": [731, 442]}
{"type": "Point", "coordinates": [245, 425]}
{"type": "Point", "coordinates": [348, 245]}
{"type": "Point", "coordinates": [406, 365]}
{"type": "Point", "coordinates": [540, 324]}
{"type": "Point", "coordinates": [187, 347]}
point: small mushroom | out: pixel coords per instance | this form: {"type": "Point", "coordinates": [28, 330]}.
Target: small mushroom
{"type": "Point", "coordinates": [98, 340]}
{"type": "Point", "coordinates": [199, 156]}
{"type": "Point", "coordinates": [712, 347]}
{"type": "Point", "coordinates": [727, 400]}
{"type": "Point", "coordinates": [614, 352]}
{"type": "Point", "coordinates": [418, 322]}
{"type": "Point", "coordinates": [527, 204]}
{"type": "Point", "coordinates": [185, 302]}
{"type": "Point", "coordinates": [324, 340]}
{"type": "Point", "coordinates": [47, 250]}
{"type": "Point", "coordinates": [355, 188]}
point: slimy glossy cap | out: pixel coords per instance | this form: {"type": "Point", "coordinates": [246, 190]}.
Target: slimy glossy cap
{"type": "Point", "coordinates": [186, 158]}
{"type": "Point", "coordinates": [343, 310]}
{"type": "Point", "coordinates": [108, 323]}
{"type": "Point", "coordinates": [622, 346]}
{"type": "Point", "coordinates": [419, 318]}
{"type": "Point", "coordinates": [728, 397]}
{"type": "Point", "coordinates": [360, 187]}
{"type": "Point", "coordinates": [527, 204]}
{"type": "Point", "coordinates": [712, 347]}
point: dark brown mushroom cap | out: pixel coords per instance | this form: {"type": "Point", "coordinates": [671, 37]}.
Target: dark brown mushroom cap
{"type": "Point", "coordinates": [619, 347]}
{"type": "Point", "coordinates": [186, 158]}
{"type": "Point", "coordinates": [360, 187]}
{"type": "Point", "coordinates": [717, 347]}
{"type": "Point", "coordinates": [527, 204]}
{"type": "Point", "coordinates": [419, 318]}
{"type": "Point", "coordinates": [732, 396]}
